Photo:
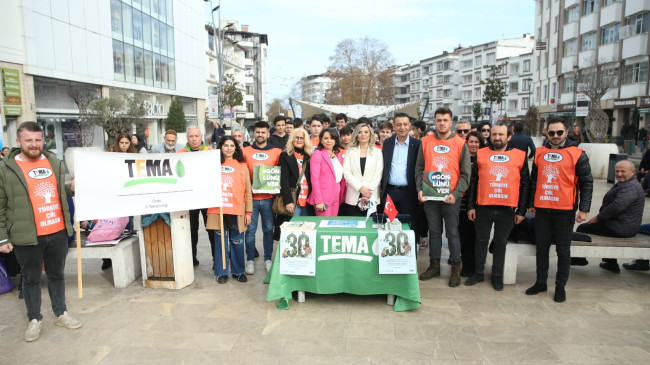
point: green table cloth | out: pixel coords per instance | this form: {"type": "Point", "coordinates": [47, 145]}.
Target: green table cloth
{"type": "Point", "coordinates": [357, 273]}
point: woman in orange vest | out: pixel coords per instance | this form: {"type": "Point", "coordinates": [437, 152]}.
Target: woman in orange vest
{"type": "Point", "coordinates": [237, 205]}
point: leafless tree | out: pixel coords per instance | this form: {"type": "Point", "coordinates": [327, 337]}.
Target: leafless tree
{"type": "Point", "coordinates": [83, 98]}
{"type": "Point", "coordinates": [595, 82]}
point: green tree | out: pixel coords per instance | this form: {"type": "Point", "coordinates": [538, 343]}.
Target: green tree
{"type": "Point", "coordinates": [230, 95]}
{"type": "Point", "coordinates": [117, 115]}
{"type": "Point", "coordinates": [495, 89]}
{"type": "Point", "coordinates": [477, 111]}
{"type": "Point", "coordinates": [176, 116]}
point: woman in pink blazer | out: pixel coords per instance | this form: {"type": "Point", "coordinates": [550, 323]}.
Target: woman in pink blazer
{"type": "Point", "coordinates": [326, 171]}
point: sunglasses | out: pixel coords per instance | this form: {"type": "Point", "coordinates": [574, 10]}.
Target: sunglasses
{"type": "Point", "coordinates": [485, 130]}
{"type": "Point", "coordinates": [464, 131]}
{"type": "Point", "coordinates": [552, 133]}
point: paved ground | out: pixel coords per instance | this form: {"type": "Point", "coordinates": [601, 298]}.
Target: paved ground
{"type": "Point", "coordinates": [605, 320]}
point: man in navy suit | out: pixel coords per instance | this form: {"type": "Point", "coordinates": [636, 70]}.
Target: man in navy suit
{"type": "Point", "coordinates": [400, 152]}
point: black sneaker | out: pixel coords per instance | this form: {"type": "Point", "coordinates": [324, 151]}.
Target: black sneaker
{"type": "Point", "coordinates": [475, 278]}
{"type": "Point", "coordinates": [241, 278]}
{"type": "Point", "coordinates": [497, 283]}
{"type": "Point", "coordinates": [579, 261]}
{"type": "Point", "coordinates": [637, 265]}
{"type": "Point", "coordinates": [560, 294]}
{"type": "Point", "coordinates": [610, 266]}
{"type": "Point", "coordinates": [106, 264]}
{"type": "Point", "coordinates": [196, 262]}
{"type": "Point", "coordinates": [536, 289]}
{"type": "Point", "coordinates": [222, 279]}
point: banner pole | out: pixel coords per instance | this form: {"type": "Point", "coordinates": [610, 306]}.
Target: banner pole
{"type": "Point", "coordinates": [78, 239]}
{"type": "Point", "coordinates": [223, 245]}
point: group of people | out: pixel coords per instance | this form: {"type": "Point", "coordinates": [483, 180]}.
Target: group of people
{"type": "Point", "coordinates": [346, 169]}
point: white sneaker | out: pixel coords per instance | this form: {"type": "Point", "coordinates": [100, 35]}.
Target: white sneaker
{"type": "Point", "coordinates": [67, 321]}
{"type": "Point", "coordinates": [33, 330]}
{"type": "Point", "coordinates": [267, 265]}
{"type": "Point", "coordinates": [250, 267]}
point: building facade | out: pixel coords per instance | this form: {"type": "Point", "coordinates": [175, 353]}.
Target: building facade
{"type": "Point", "coordinates": [53, 50]}
{"type": "Point", "coordinates": [243, 56]}
{"type": "Point", "coordinates": [579, 38]}
{"type": "Point", "coordinates": [316, 88]}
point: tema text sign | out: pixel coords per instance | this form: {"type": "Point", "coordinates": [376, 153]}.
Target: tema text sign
{"type": "Point", "coordinates": [123, 184]}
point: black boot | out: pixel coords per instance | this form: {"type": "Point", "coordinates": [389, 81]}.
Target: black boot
{"type": "Point", "coordinates": [536, 289]}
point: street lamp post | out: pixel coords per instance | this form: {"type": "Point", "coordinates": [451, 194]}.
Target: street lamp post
{"type": "Point", "coordinates": [217, 32]}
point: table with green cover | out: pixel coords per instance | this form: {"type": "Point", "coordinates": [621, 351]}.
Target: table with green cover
{"type": "Point", "coordinates": [344, 272]}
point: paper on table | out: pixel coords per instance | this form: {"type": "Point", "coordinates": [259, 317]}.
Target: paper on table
{"type": "Point", "coordinates": [342, 224]}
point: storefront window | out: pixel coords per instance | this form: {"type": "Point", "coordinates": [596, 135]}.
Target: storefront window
{"type": "Point", "coordinates": [146, 31]}
{"type": "Point", "coordinates": [59, 133]}
{"type": "Point", "coordinates": [127, 24]}
{"type": "Point", "coordinates": [139, 66]}
{"type": "Point", "coordinates": [148, 68]}
{"type": "Point", "coordinates": [170, 41]}
{"type": "Point", "coordinates": [116, 19]}
{"type": "Point", "coordinates": [129, 63]}
{"type": "Point", "coordinates": [137, 28]}
{"type": "Point", "coordinates": [118, 60]}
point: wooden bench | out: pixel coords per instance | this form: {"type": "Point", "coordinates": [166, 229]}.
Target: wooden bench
{"type": "Point", "coordinates": [637, 247]}
{"type": "Point", "coordinates": [125, 258]}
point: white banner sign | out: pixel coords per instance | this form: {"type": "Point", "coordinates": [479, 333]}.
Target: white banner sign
{"type": "Point", "coordinates": [397, 252]}
{"type": "Point", "coordinates": [298, 256]}
{"type": "Point", "coordinates": [125, 184]}
{"type": "Point", "coordinates": [213, 106]}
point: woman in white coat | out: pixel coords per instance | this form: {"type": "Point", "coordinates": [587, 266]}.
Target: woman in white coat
{"type": "Point", "coordinates": [362, 168]}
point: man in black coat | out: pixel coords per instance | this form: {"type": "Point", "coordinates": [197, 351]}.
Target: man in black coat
{"type": "Point", "coordinates": [621, 212]}
{"type": "Point", "coordinates": [400, 152]}
{"type": "Point", "coordinates": [522, 141]}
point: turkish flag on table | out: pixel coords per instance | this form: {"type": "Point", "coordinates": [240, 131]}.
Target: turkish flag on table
{"type": "Point", "coordinates": [389, 209]}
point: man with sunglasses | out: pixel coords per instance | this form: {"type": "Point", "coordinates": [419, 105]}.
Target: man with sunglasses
{"type": "Point", "coordinates": [462, 129]}
{"type": "Point", "coordinates": [561, 173]}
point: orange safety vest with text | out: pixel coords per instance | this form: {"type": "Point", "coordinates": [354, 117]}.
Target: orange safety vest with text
{"type": "Point", "coordinates": [555, 187]}
{"type": "Point", "coordinates": [442, 155]}
{"type": "Point", "coordinates": [233, 188]}
{"type": "Point", "coordinates": [499, 176]}
{"type": "Point", "coordinates": [44, 195]}
{"type": "Point", "coordinates": [304, 187]}
{"type": "Point", "coordinates": [255, 157]}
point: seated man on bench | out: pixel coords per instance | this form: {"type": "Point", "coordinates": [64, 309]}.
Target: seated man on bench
{"type": "Point", "coordinates": [621, 212]}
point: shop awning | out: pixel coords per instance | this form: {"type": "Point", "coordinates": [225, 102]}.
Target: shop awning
{"type": "Point", "coordinates": [359, 110]}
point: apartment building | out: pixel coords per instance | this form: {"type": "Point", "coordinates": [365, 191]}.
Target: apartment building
{"type": "Point", "coordinates": [453, 79]}
{"type": "Point", "coordinates": [577, 38]}
{"type": "Point", "coordinates": [316, 88]}
{"type": "Point", "coordinates": [243, 55]}
{"type": "Point", "coordinates": [105, 48]}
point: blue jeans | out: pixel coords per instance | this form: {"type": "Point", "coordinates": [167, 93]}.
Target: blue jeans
{"type": "Point", "coordinates": [264, 209]}
{"type": "Point", "coordinates": [300, 211]}
{"type": "Point", "coordinates": [233, 248]}
{"type": "Point", "coordinates": [436, 212]}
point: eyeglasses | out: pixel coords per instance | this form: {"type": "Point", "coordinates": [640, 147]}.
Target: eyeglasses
{"type": "Point", "coordinates": [464, 131]}
{"type": "Point", "coordinates": [299, 138]}
{"type": "Point", "coordinates": [552, 133]}
{"type": "Point", "coordinates": [485, 130]}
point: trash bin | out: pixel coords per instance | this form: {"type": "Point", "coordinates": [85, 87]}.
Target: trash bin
{"type": "Point", "coordinates": [611, 171]}
{"type": "Point", "coordinates": [166, 252]}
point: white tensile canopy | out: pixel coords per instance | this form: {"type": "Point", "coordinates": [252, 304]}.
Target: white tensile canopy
{"type": "Point", "coordinates": [359, 110]}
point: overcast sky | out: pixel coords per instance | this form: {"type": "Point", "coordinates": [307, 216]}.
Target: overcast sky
{"type": "Point", "coordinates": [303, 34]}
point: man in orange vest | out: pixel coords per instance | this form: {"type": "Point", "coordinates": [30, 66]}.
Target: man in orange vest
{"type": "Point", "coordinates": [260, 153]}
{"type": "Point", "coordinates": [195, 144]}
{"type": "Point", "coordinates": [442, 172]}
{"type": "Point", "coordinates": [561, 173]}
{"type": "Point", "coordinates": [499, 186]}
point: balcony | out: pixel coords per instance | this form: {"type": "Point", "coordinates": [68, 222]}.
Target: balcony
{"type": "Point", "coordinates": [635, 6]}
{"type": "Point", "coordinates": [635, 46]}
{"type": "Point", "coordinates": [612, 13]}
{"type": "Point", "coordinates": [587, 58]}
{"type": "Point", "coordinates": [633, 90]}
{"type": "Point", "coordinates": [570, 31]}
{"type": "Point", "coordinates": [589, 23]}
{"type": "Point", "coordinates": [569, 63]}
{"type": "Point", "coordinates": [570, 3]}
{"type": "Point", "coordinates": [608, 53]}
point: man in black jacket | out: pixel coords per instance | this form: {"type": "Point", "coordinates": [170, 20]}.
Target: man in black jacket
{"type": "Point", "coordinates": [561, 173]}
{"type": "Point", "coordinates": [522, 141]}
{"type": "Point", "coordinates": [497, 196]}
{"type": "Point", "coordinates": [400, 152]}
{"type": "Point", "coordinates": [621, 212]}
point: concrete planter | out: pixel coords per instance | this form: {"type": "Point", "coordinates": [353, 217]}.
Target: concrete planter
{"type": "Point", "coordinates": [598, 154]}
